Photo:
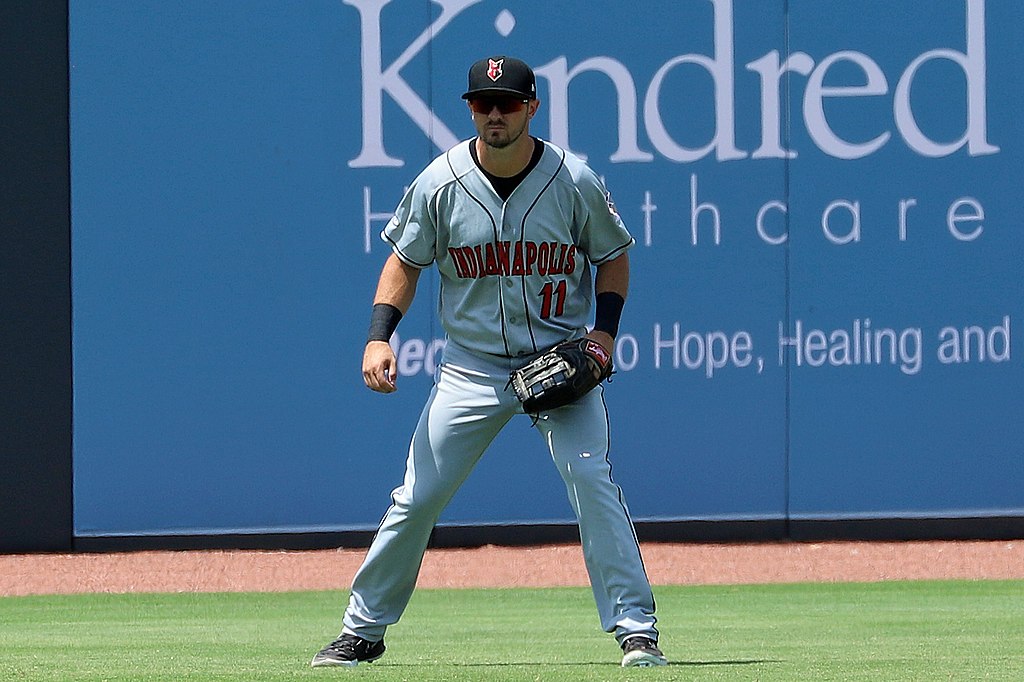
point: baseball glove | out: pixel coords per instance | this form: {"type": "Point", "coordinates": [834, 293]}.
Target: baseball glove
{"type": "Point", "coordinates": [561, 375]}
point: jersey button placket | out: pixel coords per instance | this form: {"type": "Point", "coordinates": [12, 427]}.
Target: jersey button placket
{"type": "Point", "coordinates": [507, 291]}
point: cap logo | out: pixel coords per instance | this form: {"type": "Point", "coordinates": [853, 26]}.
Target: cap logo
{"type": "Point", "coordinates": [494, 69]}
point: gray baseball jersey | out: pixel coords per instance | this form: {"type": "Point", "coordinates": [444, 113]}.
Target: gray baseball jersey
{"type": "Point", "coordinates": [515, 274]}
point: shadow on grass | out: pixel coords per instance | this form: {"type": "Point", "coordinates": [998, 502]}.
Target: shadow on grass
{"type": "Point", "coordinates": [753, 661]}
{"type": "Point", "coordinates": [547, 664]}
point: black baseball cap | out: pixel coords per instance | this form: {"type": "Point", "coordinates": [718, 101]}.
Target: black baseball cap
{"type": "Point", "coordinates": [501, 76]}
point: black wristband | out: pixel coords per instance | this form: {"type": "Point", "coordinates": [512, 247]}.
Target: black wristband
{"type": "Point", "coordinates": [383, 321]}
{"type": "Point", "coordinates": [607, 312]}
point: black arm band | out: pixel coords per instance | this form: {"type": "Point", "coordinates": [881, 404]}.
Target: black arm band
{"type": "Point", "coordinates": [383, 322]}
{"type": "Point", "coordinates": [608, 311]}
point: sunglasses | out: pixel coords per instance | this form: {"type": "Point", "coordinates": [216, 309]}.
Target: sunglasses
{"type": "Point", "coordinates": [506, 105]}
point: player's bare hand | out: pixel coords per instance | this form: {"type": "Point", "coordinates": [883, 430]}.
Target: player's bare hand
{"type": "Point", "coordinates": [380, 367]}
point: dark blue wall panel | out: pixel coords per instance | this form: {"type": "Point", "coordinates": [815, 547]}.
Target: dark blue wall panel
{"type": "Point", "coordinates": [794, 176]}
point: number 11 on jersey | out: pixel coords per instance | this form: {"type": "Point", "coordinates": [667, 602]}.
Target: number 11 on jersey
{"type": "Point", "coordinates": [552, 292]}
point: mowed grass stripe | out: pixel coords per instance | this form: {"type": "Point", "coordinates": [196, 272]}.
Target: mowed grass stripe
{"type": "Point", "coordinates": [942, 630]}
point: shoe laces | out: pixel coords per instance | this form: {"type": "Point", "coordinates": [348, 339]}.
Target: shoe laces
{"type": "Point", "coordinates": [343, 645]}
{"type": "Point", "coordinates": [639, 642]}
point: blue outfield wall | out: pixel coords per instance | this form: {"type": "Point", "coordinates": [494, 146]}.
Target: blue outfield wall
{"type": "Point", "coordinates": [826, 283]}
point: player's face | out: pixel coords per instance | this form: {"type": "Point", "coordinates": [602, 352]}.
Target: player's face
{"type": "Point", "coordinates": [501, 121]}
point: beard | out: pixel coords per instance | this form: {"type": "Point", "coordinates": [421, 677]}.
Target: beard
{"type": "Point", "coordinates": [501, 137]}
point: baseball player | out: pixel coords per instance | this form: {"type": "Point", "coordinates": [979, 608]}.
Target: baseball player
{"type": "Point", "coordinates": [515, 226]}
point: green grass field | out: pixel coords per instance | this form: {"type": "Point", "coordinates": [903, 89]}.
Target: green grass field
{"type": "Point", "coordinates": [926, 631]}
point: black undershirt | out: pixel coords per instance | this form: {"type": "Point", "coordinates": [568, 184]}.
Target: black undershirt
{"type": "Point", "coordinates": [504, 187]}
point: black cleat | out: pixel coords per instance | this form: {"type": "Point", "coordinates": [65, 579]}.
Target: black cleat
{"type": "Point", "coordinates": [349, 651]}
